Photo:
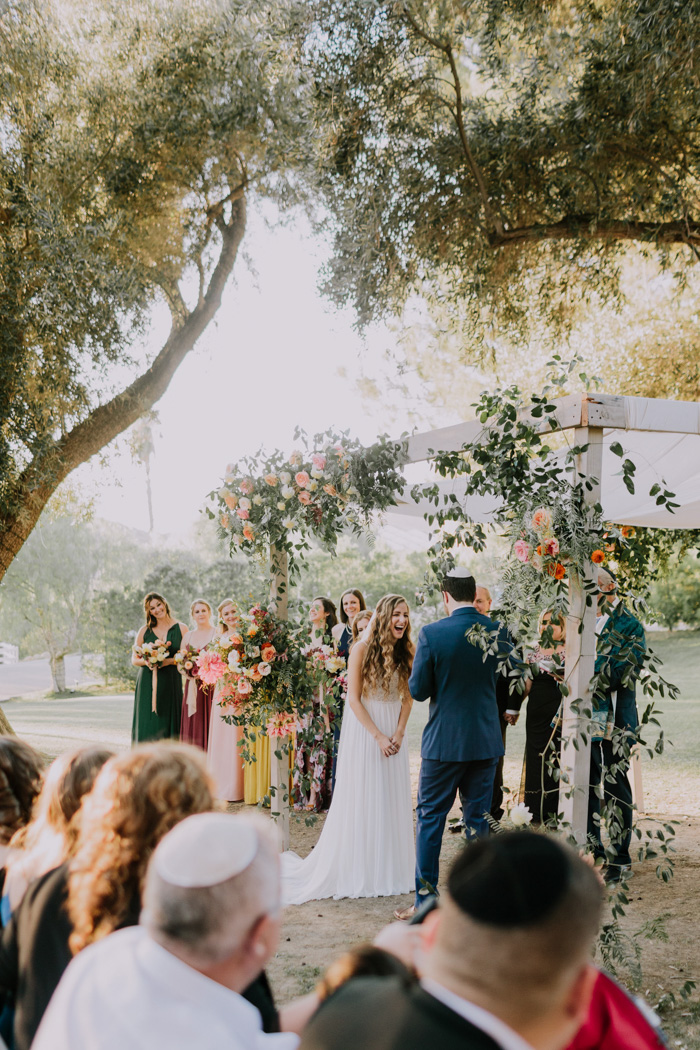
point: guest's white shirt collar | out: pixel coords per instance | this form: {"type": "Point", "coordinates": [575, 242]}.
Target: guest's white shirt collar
{"type": "Point", "coordinates": [499, 1031]}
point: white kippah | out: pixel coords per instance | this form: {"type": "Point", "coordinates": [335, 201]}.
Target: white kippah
{"type": "Point", "coordinates": [458, 571]}
{"type": "Point", "coordinates": [206, 849]}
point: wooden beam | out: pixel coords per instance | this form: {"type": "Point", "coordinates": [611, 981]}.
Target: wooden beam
{"type": "Point", "coordinates": [580, 665]}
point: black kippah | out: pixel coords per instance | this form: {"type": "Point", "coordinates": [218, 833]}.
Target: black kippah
{"type": "Point", "coordinates": [513, 879]}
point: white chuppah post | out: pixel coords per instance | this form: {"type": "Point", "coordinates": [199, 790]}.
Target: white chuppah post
{"type": "Point", "coordinates": [580, 661]}
{"type": "Point", "coordinates": [279, 767]}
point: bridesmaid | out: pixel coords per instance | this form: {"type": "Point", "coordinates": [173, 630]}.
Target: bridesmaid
{"type": "Point", "coordinates": [196, 703]}
{"type": "Point", "coordinates": [351, 603]}
{"type": "Point", "coordinates": [312, 768]}
{"type": "Point", "coordinates": [223, 751]}
{"type": "Point", "coordinates": [165, 720]}
{"type": "Point", "coordinates": [540, 789]}
{"type": "Point", "coordinates": [359, 624]}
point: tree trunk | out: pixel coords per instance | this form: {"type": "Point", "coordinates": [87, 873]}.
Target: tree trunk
{"type": "Point", "coordinates": [5, 727]}
{"type": "Point", "coordinates": [47, 470]}
{"type": "Point", "coordinates": [58, 672]}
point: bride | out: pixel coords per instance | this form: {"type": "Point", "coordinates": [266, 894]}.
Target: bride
{"type": "Point", "coordinates": [366, 847]}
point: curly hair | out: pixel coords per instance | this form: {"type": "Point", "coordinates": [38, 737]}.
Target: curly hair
{"type": "Point", "coordinates": [20, 783]}
{"type": "Point", "coordinates": [384, 655]}
{"type": "Point", "coordinates": [138, 797]}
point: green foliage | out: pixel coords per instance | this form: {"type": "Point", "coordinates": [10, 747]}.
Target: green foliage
{"type": "Point", "coordinates": [503, 156]}
{"type": "Point", "coordinates": [675, 595]}
{"type": "Point", "coordinates": [133, 134]}
{"type": "Point", "coordinates": [278, 502]}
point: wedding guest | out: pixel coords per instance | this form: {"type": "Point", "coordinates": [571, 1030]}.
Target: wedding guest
{"type": "Point", "coordinates": [210, 922]}
{"type": "Point", "coordinates": [197, 697]}
{"type": "Point", "coordinates": [224, 749]}
{"type": "Point", "coordinates": [20, 783]}
{"type": "Point", "coordinates": [359, 624]}
{"type": "Point", "coordinates": [621, 650]}
{"type": "Point", "coordinates": [137, 797]}
{"type": "Point", "coordinates": [542, 725]}
{"type": "Point", "coordinates": [351, 603]}
{"type": "Point", "coordinates": [505, 960]}
{"type": "Point", "coordinates": [312, 762]}
{"type": "Point", "coordinates": [158, 697]}
{"type": "Point", "coordinates": [509, 705]}
{"type": "Point", "coordinates": [50, 836]}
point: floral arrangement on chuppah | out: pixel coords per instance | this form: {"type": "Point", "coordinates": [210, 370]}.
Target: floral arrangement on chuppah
{"type": "Point", "coordinates": [330, 484]}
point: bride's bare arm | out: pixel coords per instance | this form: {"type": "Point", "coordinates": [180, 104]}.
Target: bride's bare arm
{"type": "Point", "coordinates": [406, 706]}
{"type": "Point", "coordinates": [355, 697]}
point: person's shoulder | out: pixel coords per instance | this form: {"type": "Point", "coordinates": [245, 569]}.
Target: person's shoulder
{"type": "Point", "coordinates": [337, 630]}
{"type": "Point", "coordinates": [359, 1008]}
{"type": "Point", "coordinates": [142, 634]}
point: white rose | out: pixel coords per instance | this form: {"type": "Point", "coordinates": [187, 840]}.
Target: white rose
{"type": "Point", "coordinates": [281, 505]}
{"type": "Point", "coordinates": [264, 668]}
{"type": "Point", "coordinates": [520, 815]}
{"type": "Point", "coordinates": [244, 503]}
{"type": "Point", "coordinates": [254, 651]}
{"type": "Point", "coordinates": [289, 523]}
{"type": "Point", "coordinates": [352, 491]}
{"type": "Point", "coordinates": [223, 492]}
{"type": "Point", "coordinates": [316, 474]}
{"type": "Point", "coordinates": [234, 659]}
{"type": "Point", "coordinates": [285, 477]}
{"type": "Point", "coordinates": [257, 500]}
{"type": "Point", "coordinates": [287, 492]}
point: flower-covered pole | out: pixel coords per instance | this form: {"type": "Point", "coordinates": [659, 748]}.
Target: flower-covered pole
{"type": "Point", "coordinates": [580, 655]}
{"type": "Point", "coordinates": [279, 748]}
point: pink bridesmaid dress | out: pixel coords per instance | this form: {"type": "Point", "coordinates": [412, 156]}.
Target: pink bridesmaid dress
{"type": "Point", "coordinates": [224, 754]}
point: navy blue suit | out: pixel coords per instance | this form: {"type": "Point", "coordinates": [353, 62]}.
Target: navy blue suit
{"type": "Point", "coordinates": [462, 741]}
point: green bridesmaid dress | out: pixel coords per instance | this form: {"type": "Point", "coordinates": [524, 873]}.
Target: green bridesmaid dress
{"type": "Point", "coordinates": [165, 723]}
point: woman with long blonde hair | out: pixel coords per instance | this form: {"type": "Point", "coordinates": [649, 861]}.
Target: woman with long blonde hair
{"type": "Point", "coordinates": [366, 848]}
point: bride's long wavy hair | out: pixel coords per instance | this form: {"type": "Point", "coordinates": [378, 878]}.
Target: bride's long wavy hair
{"type": "Point", "coordinates": [385, 655]}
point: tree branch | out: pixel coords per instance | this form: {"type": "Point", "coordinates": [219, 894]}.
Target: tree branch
{"type": "Point", "coordinates": [587, 227]}
{"type": "Point", "coordinates": [44, 474]}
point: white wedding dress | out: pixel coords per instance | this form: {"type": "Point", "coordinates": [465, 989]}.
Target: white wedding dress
{"type": "Point", "coordinates": [366, 847]}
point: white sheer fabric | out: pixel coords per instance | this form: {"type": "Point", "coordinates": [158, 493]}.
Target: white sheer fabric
{"type": "Point", "coordinates": [366, 847]}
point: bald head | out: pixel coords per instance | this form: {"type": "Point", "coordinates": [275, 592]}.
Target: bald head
{"type": "Point", "coordinates": [483, 600]}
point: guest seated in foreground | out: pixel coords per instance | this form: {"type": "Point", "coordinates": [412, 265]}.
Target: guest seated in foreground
{"type": "Point", "coordinates": [505, 962]}
{"type": "Point", "coordinates": [20, 783]}
{"type": "Point", "coordinates": [211, 920]}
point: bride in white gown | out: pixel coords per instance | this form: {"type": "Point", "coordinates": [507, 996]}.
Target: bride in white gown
{"type": "Point", "coordinates": [366, 847]}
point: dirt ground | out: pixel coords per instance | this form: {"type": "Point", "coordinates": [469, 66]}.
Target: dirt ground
{"type": "Point", "coordinates": [317, 932]}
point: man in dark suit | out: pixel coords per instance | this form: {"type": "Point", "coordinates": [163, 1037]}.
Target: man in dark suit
{"type": "Point", "coordinates": [462, 741]}
{"type": "Point", "coordinates": [505, 960]}
{"type": "Point", "coordinates": [620, 656]}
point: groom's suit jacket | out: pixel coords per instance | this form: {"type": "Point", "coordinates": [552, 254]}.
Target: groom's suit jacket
{"type": "Point", "coordinates": [450, 671]}
{"type": "Point", "coordinates": [380, 1013]}
{"type": "Point", "coordinates": [620, 657]}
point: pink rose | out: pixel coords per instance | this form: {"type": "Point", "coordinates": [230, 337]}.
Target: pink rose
{"type": "Point", "coordinates": [319, 461]}
{"type": "Point", "coordinates": [302, 479]}
{"type": "Point", "coordinates": [521, 550]}
{"type": "Point", "coordinates": [305, 497]}
{"type": "Point", "coordinates": [551, 547]}
{"type": "Point", "coordinates": [244, 687]}
{"type": "Point", "coordinates": [247, 486]}
{"type": "Point", "coordinates": [243, 514]}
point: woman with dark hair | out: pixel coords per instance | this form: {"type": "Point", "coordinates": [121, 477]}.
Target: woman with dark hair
{"type": "Point", "coordinates": [366, 847]}
{"type": "Point", "coordinates": [351, 603]}
{"type": "Point", "coordinates": [311, 785]}
{"type": "Point", "coordinates": [20, 784]}
{"type": "Point", "coordinates": [52, 833]}
{"type": "Point", "coordinates": [158, 697]}
{"type": "Point", "coordinates": [539, 788]}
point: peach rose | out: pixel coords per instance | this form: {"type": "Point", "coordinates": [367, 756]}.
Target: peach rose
{"type": "Point", "coordinates": [231, 501]}
{"type": "Point", "coordinates": [244, 687]}
{"type": "Point", "coordinates": [225, 521]}
{"type": "Point", "coordinates": [248, 532]}
{"type": "Point", "coordinates": [271, 480]}
{"type": "Point", "coordinates": [302, 479]}
{"type": "Point", "coordinates": [268, 652]}
{"type": "Point", "coordinates": [243, 514]}
{"type": "Point", "coordinates": [305, 498]}
{"type": "Point", "coordinates": [541, 520]}
{"type": "Point", "coordinates": [330, 489]}
{"type": "Point", "coordinates": [247, 486]}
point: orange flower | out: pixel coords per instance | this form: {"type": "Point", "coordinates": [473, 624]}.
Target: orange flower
{"type": "Point", "coordinates": [539, 549]}
{"type": "Point", "coordinates": [248, 532]}
{"type": "Point", "coordinates": [225, 521]}
{"type": "Point", "coordinates": [598, 557]}
{"type": "Point", "coordinates": [628, 531]}
{"type": "Point", "coordinates": [559, 571]}
{"type": "Point", "coordinates": [330, 489]}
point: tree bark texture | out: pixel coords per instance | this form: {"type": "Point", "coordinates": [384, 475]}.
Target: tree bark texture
{"type": "Point", "coordinates": [45, 473]}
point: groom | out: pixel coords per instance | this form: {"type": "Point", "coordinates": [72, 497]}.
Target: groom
{"type": "Point", "coordinates": [462, 741]}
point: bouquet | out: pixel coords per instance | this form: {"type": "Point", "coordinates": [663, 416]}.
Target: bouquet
{"type": "Point", "coordinates": [153, 653]}
{"type": "Point", "coordinates": [186, 661]}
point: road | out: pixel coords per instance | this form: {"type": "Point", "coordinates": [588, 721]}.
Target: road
{"type": "Point", "coordinates": [34, 676]}
{"type": "Point", "coordinates": [53, 726]}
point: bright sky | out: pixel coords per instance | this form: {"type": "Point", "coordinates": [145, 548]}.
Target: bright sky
{"type": "Point", "coordinates": [277, 355]}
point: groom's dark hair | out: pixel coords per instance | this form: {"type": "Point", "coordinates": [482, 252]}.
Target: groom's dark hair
{"type": "Point", "coordinates": [462, 588]}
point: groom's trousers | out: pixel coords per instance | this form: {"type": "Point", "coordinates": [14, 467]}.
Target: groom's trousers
{"type": "Point", "coordinates": [437, 787]}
